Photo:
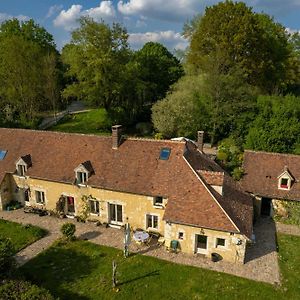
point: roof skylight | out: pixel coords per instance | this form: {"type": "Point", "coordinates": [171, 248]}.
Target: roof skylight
{"type": "Point", "coordinates": [2, 154]}
{"type": "Point", "coordinates": [164, 153]}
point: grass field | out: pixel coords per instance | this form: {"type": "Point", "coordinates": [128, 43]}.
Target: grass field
{"type": "Point", "coordinates": [20, 235]}
{"type": "Point", "coordinates": [82, 270]}
{"type": "Point", "coordinates": [95, 121]}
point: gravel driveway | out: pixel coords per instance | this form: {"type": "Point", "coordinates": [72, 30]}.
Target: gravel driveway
{"type": "Point", "coordinates": [261, 260]}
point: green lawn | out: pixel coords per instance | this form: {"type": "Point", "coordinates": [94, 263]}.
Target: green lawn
{"type": "Point", "coordinates": [82, 270]}
{"type": "Point", "coordinates": [20, 235]}
{"type": "Point", "coordinates": [95, 121]}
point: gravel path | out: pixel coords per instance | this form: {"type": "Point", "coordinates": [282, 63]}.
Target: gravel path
{"type": "Point", "coordinates": [288, 229]}
{"type": "Point", "coordinates": [261, 261]}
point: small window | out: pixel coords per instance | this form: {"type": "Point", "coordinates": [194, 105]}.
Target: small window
{"type": "Point", "coordinates": [165, 153]}
{"type": "Point", "coordinates": [220, 242]}
{"type": "Point", "coordinates": [94, 207]}
{"type": "Point", "coordinates": [21, 170]}
{"type": "Point", "coordinates": [40, 197]}
{"type": "Point", "coordinates": [180, 235]}
{"type": "Point", "coordinates": [2, 154]}
{"type": "Point", "coordinates": [81, 177]}
{"type": "Point", "coordinates": [152, 221]}
{"type": "Point", "coordinates": [284, 183]}
{"type": "Point", "coordinates": [158, 201]}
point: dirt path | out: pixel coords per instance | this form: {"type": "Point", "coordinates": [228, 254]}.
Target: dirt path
{"type": "Point", "coordinates": [73, 108]}
{"type": "Point", "coordinates": [261, 261]}
{"type": "Point", "coordinates": [288, 229]}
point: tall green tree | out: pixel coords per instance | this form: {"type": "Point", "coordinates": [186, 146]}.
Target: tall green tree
{"type": "Point", "coordinates": [26, 72]}
{"type": "Point", "coordinates": [184, 110]}
{"type": "Point", "coordinates": [276, 127]}
{"type": "Point", "coordinates": [96, 58]}
{"type": "Point", "coordinates": [241, 38]}
{"type": "Point", "coordinates": [159, 69]}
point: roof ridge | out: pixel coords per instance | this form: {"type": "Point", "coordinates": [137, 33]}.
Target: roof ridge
{"type": "Point", "coordinates": [56, 132]}
{"type": "Point", "coordinates": [273, 153]}
{"type": "Point", "coordinates": [153, 140]}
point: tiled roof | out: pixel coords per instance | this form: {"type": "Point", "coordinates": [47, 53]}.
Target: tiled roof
{"type": "Point", "coordinates": [134, 167]}
{"type": "Point", "coordinates": [262, 170]}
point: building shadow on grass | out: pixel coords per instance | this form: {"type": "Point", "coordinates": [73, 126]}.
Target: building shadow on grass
{"type": "Point", "coordinates": [265, 239]}
{"type": "Point", "coordinates": [57, 268]}
{"type": "Point", "coordinates": [153, 273]}
{"type": "Point", "coordinates": [90, 235]}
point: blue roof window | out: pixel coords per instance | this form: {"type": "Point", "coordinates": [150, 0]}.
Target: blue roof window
{"type": "Point", "coordinates": [164, 153]}
{"type": "Point", "coordinates": [2, 154]}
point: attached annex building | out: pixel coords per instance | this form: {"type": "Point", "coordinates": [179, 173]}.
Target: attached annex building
{"type": "Point", "coordinates": [169, 187]}
{"type": "Point", "coordinates": [272, 178]}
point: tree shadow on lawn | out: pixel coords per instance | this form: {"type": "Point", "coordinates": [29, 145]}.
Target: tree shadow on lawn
{"type": "Point", "coordinates": [58, 269]}
{"type": "Point", "coordinates": [153, 273]}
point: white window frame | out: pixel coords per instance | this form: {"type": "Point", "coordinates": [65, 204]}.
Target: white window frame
{"type": "Point", "coordinates": [158, 205]}
{"type": "Point", "coordinates": [201, 250]}
{"type": "Point", "coordinates": [21, 170]}
{"type": "Point", "coordinates": [220, 246]}
{"type": "Point", "coordinates": [94, 201]}
{"type": "Point", "coordinates": [152, 221]}
{"type": "Point", "coordinates": [41, 193]}
{"type": "Point", "coordinates": [82, 177]}
{"type": "Point", "coordinates": [288, 186]}
{"type": "Point", "coordinates": [183, 235]}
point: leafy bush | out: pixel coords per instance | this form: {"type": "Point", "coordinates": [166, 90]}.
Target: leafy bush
{"type": "Point", "coordinates": [23, 290]}
{"type": "Point", "coordinates": [6, 256]}
{"type": "Point", "coordinates": [230, 156]}
{"type": "Point", "coordinates": [68, 230]}
{"type": "Point", "coordinates": [292, 216]}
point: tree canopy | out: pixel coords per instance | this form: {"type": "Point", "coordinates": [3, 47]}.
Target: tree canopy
{"type": "Point", "coordinates": [276, 127]}
{"type": "Point", "coordinates": [29, 72]}
{"type": "Point", "coordinates": [240, 38]}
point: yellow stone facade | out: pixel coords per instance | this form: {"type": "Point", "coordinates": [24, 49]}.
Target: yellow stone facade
{"type": "Point", "coordinates": [233, 249]}
{"type": "Point", "coordinates": [135, 209]}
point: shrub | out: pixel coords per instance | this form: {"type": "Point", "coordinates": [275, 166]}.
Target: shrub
{"type": "Point", "coordinates": [68, 230]}
{"type": "Point", "coordinates": [6, 256]}
{"type": "Point", "coordinates": [23, 290]}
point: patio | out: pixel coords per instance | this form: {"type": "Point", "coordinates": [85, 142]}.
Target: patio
{"type": "Point", "coordinates": [261, 261]}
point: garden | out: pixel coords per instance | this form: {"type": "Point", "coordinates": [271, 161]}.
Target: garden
{"type": "Point", "coordinates": [82, 270]}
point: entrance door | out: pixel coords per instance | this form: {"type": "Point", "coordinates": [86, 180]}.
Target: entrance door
{"type": "Point", "coordinates": [116, 214]}
{"type": "Point", "coordinates": [26, 196]}
{"type": "Point", "coordinates": [201, 243]}
{"type": "Point", "coordinates": [70, 205]}
{"type": "Point", "coordinates": [265, 209]}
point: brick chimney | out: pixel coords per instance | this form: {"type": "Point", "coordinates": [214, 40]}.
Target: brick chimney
{"type": "Point", "coordinates": [116, 136]}
{"type": "Point", "coordinates": [200, 140]}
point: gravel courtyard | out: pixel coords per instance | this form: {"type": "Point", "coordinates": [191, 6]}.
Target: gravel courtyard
{"type": "Point", "coordinates": [261, 259]}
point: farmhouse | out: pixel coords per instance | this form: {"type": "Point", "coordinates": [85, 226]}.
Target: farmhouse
{"type": "Point", "coordinates": [169, 187]}
{"type": "Point", "coordinates": [272, 178]}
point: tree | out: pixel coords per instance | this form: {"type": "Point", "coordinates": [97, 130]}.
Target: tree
{"type": "Point", "coordinates": [276, 127]}
{"type": "Point", "coordinates": [241, 38]}
{"type": "Point", "coordinates": [96, 58]}
{"type": "Point", "coordinates": [29, 64]}
{"type": "Point", "coordinates": [159, 69]}
{"type": "Point", "coordinates": [6, 256]}
{"type": "Point", "coordinates": [30, 31]}
{"type": "Point", "coordinates": [183, 111]}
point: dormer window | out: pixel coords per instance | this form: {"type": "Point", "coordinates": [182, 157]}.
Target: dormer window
{"type": "Point", "coordinates": [285, 180]}
{"type": "Point", "coordinates": [284, 183]}
{"type": "Point", "coordinates": [83, 172]}
{"type": "Point", "coordinates": [21, 170]}
{"type": "Point", "coordinates": [22, 165]}
{"type": "Point", "coordinates": [82, 177]}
